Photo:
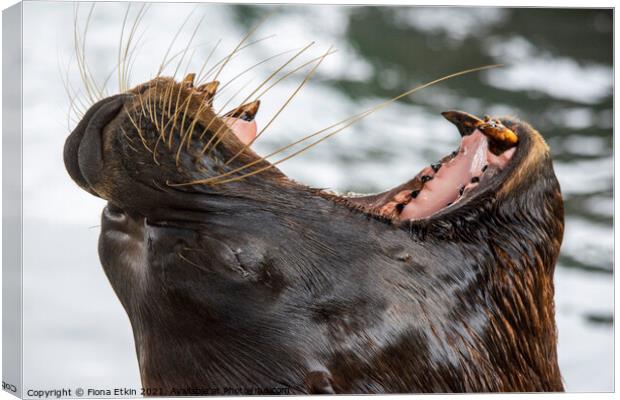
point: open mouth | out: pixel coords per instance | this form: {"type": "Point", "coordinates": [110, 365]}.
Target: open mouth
{"type": "Point", "coordinates": [486, 149]}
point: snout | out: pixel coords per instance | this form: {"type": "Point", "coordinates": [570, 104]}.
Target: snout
{"type": "Point", "coordinates": [83, 152]}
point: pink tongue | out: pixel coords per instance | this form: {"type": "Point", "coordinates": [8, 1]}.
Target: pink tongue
{"type": "Point", "coordinates": [245, 131]}
{"type": "Point", "coordinates": [446, 184]}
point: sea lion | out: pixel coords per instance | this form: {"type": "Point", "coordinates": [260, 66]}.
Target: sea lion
{"type": "Point", "coordinates": [238, 280]}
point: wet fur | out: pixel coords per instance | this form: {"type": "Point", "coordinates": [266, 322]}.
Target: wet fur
{"type": "Point", "coordinates": [263, 283]}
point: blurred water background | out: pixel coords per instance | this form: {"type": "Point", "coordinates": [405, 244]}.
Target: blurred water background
{"type": "Point", "coordinates": [557, 76]}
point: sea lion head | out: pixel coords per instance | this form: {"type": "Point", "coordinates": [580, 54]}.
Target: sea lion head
{"type": "Point", "coordinates": [474, 238]}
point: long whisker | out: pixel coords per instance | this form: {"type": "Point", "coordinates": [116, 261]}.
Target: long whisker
{"type": "Point", "coordinates": [188, 45]}
{"type": "Point", "coordinates": [126, 64]}
{"type": "Point", "coordinates": [223, 59]}
{"type": "Point", "coordinates": [189, 61]}
{"type": "Point", "coordinates": [80, 48]}
{"type": "Point", "coordinates": [206, 128]}
{"type": "Point", "coordinates": [64, 77]}
{"type": "Point", "coordinates": [104, 85]}
{"type": "Point", "coordinates": [163, 62]}
{"type": "Point", "coordinates": [348, 121]}
{"type": "Point", "coordinates": [201, 108]}
{"type": "Point", "coordinates": [180, 52]}
{"type": "Point", "coordinates": [120, 50]}
{"type": "Point", "coordinates": [131, 59]}
{"type": "Point", "coordinates": [283, 77]}
{"type": "Point", "coordinates": [250, 68]}
{"type": "Point", "coordinates": [135, 125]}
{"type": "Point", "coordinates": [246, 37]}
{"type": "Point", "coordinates": [206, 61]}
{"type": "Point", "coordinates": [77, 101]}
{"type": "Point", "coordinates": [286, 103]}
{"type": "Point", "coordinates": [219, 139]}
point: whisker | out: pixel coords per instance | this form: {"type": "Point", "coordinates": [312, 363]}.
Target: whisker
{"type": "Point", "coordinates": [104, 86]}
{"type": "Point", "coordinates": [291, 59]}
{"type": "Point", "coordinates": [288, 74]}
{"type": "Point", "coordinates": [120, 50]}
{"type": "Point", "coordinates": [250, 68]}
{"type": "Point", "coordinates": [126, 65]}
{"type": "Point", "coordinates": [247, 36]}
{"type": "Point", "coordinates": [135, 125]}
{"type": "Point", "coordinates": [71, 96]}
{"type": "Point", "coordinates": [206, 128]}
{"type": "Point", "coordinates": [130, 140]}
{"type": "Point", "coordinates": [180, 52]}
{"type": "Point", "coordinates": [192, 126]}
{"type": "Point", "coordinates": [351, 119]}
{"type": "Point", "coordinates": [223, 59]}
{"type": "Point", "coordinates": [174, 121]}
{"type": "Point", "coordinates": [80, 51]}
{"type": "Point", "coordinates": [155, 149]}
{"type": "Point", "coordinates": [204, 64]}
{"type": "Point", "coordinates": [133, 52]}
{"type": "Point", "coordinates": [182, 133]}
{"type": "Point", "coordinates": [286, 103]}
{"type": "Point", "coordinates": [161, 66]}
{"type": "Point", "coordinates": [189, 61]}
{"type": "Point", "coordinates": [188, 44]}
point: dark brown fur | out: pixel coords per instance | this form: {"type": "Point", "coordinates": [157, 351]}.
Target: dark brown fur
{"type": "Point", "coordinates": [263, 284]}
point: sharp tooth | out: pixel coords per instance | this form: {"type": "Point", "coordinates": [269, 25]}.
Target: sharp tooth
{"type": "Point", "coordinates": [246, 112]}
{"type": "Point", "coordinates": [499, 137]}
{"type": "Point", "coordinates": [188, 81]}
{"type": "Point", "coordinates": [436, 167]}
{"type": "Point", "coordinates": [466, 123]}
{"type": "Point", "coordinates": [208, 89]}
{"type": "Point", "coordinates": [498, 133]}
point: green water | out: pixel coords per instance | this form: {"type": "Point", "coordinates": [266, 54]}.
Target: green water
{"type": "Point", "coordinates": [557, 76]}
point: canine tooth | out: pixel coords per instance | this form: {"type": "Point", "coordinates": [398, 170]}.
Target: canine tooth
{"type": "Point", "coordinates": [188, 81]}
{"type": "Point", "coordinates": [499, 134]}
{"type": "Point", "coordinates": [466, 123]}
{"type": "Point", "coordinates": [246, 112]}
{"type": "Point", "coordinates": [436, 167]}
